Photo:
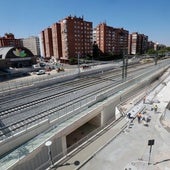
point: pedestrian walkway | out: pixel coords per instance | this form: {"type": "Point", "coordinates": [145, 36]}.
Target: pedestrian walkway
{"type": "Point", "coordinates": [88, 152]}
{"type": "Point", "coordinates": [130, 150]}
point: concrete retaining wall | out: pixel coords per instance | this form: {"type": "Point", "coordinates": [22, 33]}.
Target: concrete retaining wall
{"type": "Point", "coordinates": [22, 137]}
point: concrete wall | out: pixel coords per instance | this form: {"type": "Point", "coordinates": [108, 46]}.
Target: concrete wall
{"type": "Point", "coordinates": [96, 121]}
{"type": "Point", "coordinates": [108, 113]}
{"type": "Point", "coordinates": [22, 137]}
{"type": "Point", "coordinates": [39, 159]}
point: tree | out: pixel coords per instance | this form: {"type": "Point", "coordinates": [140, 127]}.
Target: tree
{"type": "Point", "coordinates": [95, 50]}
{"type": "Point", "coordinates": [168, 49]}
{"type": "Point", "coordinates": [151, 51]}
{"type": "Point", "coordinates": [73, 61]}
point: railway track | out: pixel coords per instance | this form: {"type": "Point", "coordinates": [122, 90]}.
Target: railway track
{"type": "Point", "coordinates": [21, 107]}
{"type": "Point", "coordinates": [4, 99]}
{"type": "Point", "coordinates": [10, 100]}
{"type": "Point", "coordinates": [6, 129]}
{"type": "Point", "coordinates": [79, 86]}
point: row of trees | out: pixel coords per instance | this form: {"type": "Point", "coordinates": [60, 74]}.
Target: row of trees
{"type": "Point", "coordinates": [98, 55]}
{"type": "Point", "coordinates": [161, 51]}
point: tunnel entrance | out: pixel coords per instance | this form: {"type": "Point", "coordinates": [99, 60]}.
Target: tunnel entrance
{"type": "Point", "coordinates": [79, 133]}
{"type": "Point", "coordinates": [83, 131]}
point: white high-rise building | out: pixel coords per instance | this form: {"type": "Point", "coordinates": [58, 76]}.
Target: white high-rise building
{"type": "Point", "coordinates": [32, 43]}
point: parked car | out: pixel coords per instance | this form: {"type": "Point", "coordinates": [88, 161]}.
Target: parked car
{"type": "Point", "coordinates": [40, 72]}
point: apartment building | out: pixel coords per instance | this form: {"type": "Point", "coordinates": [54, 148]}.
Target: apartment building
{"type": "Point", "coordinates": [32, 43]}
{"type": "Point", "coordinates": [133, 43]}
{"type": "Point", "coordinates": [9, 40]}
{"type": "Point", "coordinates": [111, 40]}
{"type": "Point", "coordinates": [137, 43]}
{"type": "Point", "coordinates": [121, 46]}
{"type": "Point", "coordinates": [76, 36]}
{"type": "Point", "coordinates": [151, 45]}
{"type": "Point", "coordinates": [47, 43]}
{"type": "Point", "coordinates": [144, 44]}
{"type": "Point", "coordinates": [69, 38]}
{"type": "Point", "coordinates": [56, 40]}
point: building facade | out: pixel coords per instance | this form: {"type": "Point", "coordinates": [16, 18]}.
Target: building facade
{"type": "Point", "coordinates": [77, 37]}
{"type": "Point", "coordinates": [47, 43]}
{"type": "Point", "coordinates": [16, 57]}
{"type": "Point", "coordinates": [70, 38]}
{"type": "Point", "coordinates": [137, 43]}
{"type": "Point", "coordinates": [56, 41]}
{"type": "Point", "coordinates": [9, 40]}
{"type": "Point", "coordinates": [144, 47]}
{"type": "Point", "coordinates": [33, 44]}
{"type": "Point", "coordinates": [151, 45]}
{"type": "Point", "coordinates": [111, 40]}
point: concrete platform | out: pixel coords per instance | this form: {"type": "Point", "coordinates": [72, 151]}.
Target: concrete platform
{"type": "Point", "coordinates": [129, 150]}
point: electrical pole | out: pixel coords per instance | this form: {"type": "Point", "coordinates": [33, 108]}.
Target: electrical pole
{"type": "Point", "coordinates": [125, 65]}
{"type": "Point", "coordinates": [156, 58]}
{"type": "Point", "coordinates": [78, 61]}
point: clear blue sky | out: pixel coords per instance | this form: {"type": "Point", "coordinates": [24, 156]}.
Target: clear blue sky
{"type": "Point", "coordinates": [29, 17]}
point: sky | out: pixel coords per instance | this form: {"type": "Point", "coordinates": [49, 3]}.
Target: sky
{"type": "Point", "coordinates": [26, 18]}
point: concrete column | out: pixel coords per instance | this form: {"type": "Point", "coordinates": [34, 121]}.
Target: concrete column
{"type": "Point", "coordinates": [117, 113]}
{"type": "Point", "coordinates": [108, 113]}
{"type": "Point", "coordinates": [64, 145]}
{"type": "Point", "coordinates": [102, 118]}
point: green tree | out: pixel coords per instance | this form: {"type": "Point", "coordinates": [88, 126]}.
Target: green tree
{"type": "Point", "coordinates": [95, 51]}
{"type": "Point", "coordinates": [168, 49]}
{"type": "Point", "coordinates": [151, 51]}
{"type": "Point", "coordinates": [73, 61]}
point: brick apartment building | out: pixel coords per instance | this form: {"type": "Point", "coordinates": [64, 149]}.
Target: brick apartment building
{"type": "Point", "coordinates": [151, 45]}
{"type": "Point", "coordinates": [76, 35]}
{"type": "Point", "coordinates": [47, 43]}
{"type": "Point", "coordinates": [9, 40]}
{"type": "Point", "coordinates": [137, 43]}
{"type": "Point", "coordinates": [56, 40]}
{"type": "Point", "coordinates": [69, 38]}
{"type": "Point", "coordinates": [111, 40]}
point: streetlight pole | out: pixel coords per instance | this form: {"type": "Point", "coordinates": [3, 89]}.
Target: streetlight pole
{"type": "Point", "coordinates": [48, 144]}
{"type": "Point", "coordinates": [78, 61]}
{"type": "Point", "coordinates": [156, 58]}
{"type": "Point", "coordinates": [125, 65]}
